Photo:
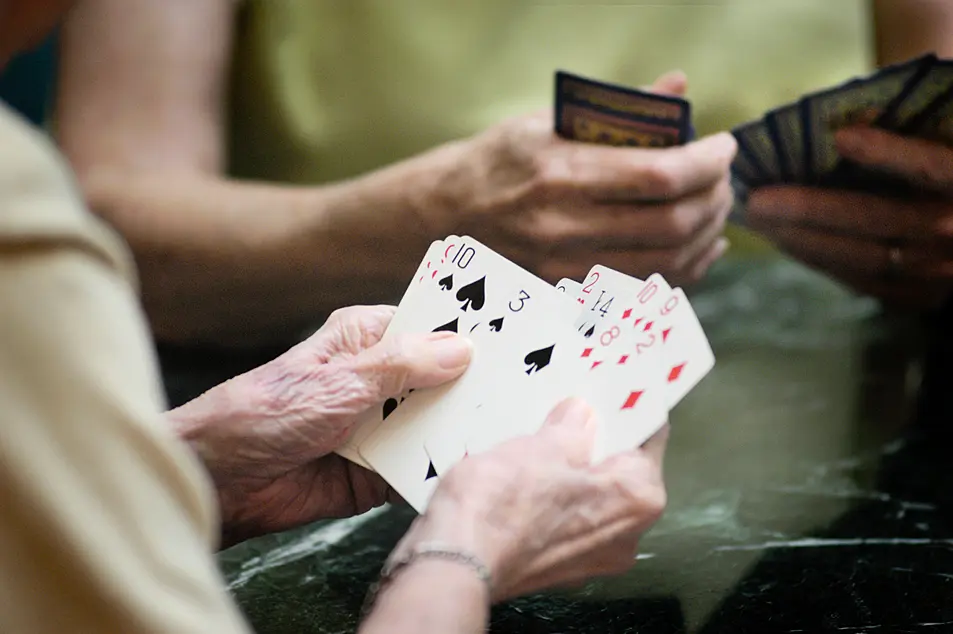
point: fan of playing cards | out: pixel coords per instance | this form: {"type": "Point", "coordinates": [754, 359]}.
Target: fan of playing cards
{"type": "Point", "coordinates": [795, 143]}
{"type": "Point", "coordinates": [633, 349]}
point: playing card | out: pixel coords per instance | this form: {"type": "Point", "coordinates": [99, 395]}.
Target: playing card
{"type": "Point", "coordinates": [860, 101]}
{"type": "Point", "coordinates": [627, 385]}
{"type": "Point", "coordinates": [932, 78]}
{"type": "Point", "coordinates": [515, 320]}
{"type": "Point", "coordinates": [428, 271]}
{"type": "Point", "coordinates": [687, 355]}
{"type": "Point", "coordinates": [570, 289]}
{"type": "Point", "coordinates": [784, 126]}
{"type": "Point", "coordinates": [593, 126]}
{"type": "Point", "coordinates": [746, 171]}
{"type": "Point", "coordinates": [937, 122]}
{"type": "Point", "coordinates": [598, 112]}
{"type": "Point", "coordinates": [754, 141]}
{"type": "Point", "coordinates": [597, 296]}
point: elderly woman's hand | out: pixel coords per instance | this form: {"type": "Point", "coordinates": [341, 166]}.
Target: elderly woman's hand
{"type": "Point", "coordinates": [538, 514]}
{"type": "Point", "coordinates": [266, 437]}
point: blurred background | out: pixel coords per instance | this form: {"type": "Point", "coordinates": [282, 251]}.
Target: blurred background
{"type": "Point", "coordinates": [27, 83]}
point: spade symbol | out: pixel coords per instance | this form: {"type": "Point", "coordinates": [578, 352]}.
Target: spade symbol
{"type": "Point", "coordinates": [589, 332]}
{"type": "Point", "coordinates": [473, 294]}
{"type": "Point", "coordinates": [538, 359]}
{"type": "Point", "coordinates": [496, 324]}
{"type": "Point", "coordinates": [431, 472]}
{"type": "Point", "coordinates": [447, 283]}
{"type": "Point", "coordinates": [450, 326]}
{"type": "Point", "coordinates": [389, 406]}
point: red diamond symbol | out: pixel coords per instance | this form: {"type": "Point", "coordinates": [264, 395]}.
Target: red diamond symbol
{"type": "Point", "coordinates": [676, 372]}
{"type": "Point", "coordinates": [632, 400]}
{"type": "Point", "coordinates": [586, 352]}
{"type": "Point", "coordinates": [648, 326]}
{"type": "Point", "coordinates": [434, 274]}
{"type": "Point", "coordinates": [627, 313]}
{"type": "Point", "coordinates": [623, 359]}
{"type": "Point", "coordinates": [665, 333]}
{"type": "Point", "coordinates": [595, 364]}
{"type": "Point", "coordinates": [637, 321]}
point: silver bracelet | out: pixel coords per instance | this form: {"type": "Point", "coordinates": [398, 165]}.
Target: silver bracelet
{"type": "Point", "coordinates": [436, 550]}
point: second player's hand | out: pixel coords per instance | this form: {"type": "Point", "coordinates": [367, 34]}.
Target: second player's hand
{"type": "Point", "coordinates": [557, 207]}
{"type": "Point", "coordinates": [898, 250]}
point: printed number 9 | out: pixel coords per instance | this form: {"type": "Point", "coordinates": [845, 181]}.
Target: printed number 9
{"type": "Point", "coordinates": [670, 305]}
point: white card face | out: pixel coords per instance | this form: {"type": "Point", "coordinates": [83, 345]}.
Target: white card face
{"type": "Point", "coordinates": [521, 398]}
{"type": "Point", "coordinates": [687, 354]}
{"type": "Point", "coordinates": [623, 378]}
{"type": "Point", "coordinates": [427, 273]}
{"type": "Point", "coordinates": [570, 288]}
{"type": "Point", "coordinates": [628, 383]}
{"type": "Point", "coordinates": [599, 293]}
{"type": "Point", "coordinates": [488, 299]}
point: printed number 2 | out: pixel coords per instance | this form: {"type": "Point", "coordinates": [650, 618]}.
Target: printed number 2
{"type": "Point", "coordinates": [588, 287]}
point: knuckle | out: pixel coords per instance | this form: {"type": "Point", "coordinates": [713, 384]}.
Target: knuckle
{"type": "Point", "coordinates": [659, 179]}
{"type": "Point", "coordinates": [391, 370]}
{"type": "Point", "coordinates": [683, 222]}
{"type": "Point", "coordinates": [936, 169]}
{"type": "Point", "coordinates": [551, 173]}
{"type": "Point", "coordinates": [654, 502]}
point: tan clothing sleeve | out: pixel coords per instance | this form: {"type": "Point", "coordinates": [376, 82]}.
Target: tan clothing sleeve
{"type": "Point", "coordinates": [106, 522]}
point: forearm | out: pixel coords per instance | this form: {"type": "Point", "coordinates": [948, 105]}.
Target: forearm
{"type": "Point", "coordinates": [430, 596]}
{"type": "Point", "coordinates": [238, 263]}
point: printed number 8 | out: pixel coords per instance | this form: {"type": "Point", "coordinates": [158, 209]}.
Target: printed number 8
{"type": "Point", "coordinates": [612, 333]}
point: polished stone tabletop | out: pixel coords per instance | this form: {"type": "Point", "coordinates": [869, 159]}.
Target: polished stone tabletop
{"type": "Point", "coordinates": [810, 485]}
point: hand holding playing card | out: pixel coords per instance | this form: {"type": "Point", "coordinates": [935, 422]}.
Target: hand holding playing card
{"type": "Point", "coordinates": [539, 515]}
{"type": "Point", "coordinates": [897, 248]}
{"type": "Point", "coordinates": [269, 452]}
{"type": "Point", "coordinates": [555, 206]}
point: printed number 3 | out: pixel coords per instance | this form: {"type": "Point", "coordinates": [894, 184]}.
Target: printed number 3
{"type": "Point", "coordinates": [523, 296]}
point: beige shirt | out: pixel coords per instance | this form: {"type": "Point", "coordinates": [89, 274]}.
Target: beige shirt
{"type": "Point", "coordinates": [107, 522]}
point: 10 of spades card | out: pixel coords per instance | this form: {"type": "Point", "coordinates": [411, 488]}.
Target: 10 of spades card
{"type": "Point", "coordinates": [631, 348]}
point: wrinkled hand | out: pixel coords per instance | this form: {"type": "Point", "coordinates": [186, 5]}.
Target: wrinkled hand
{"type": "Point", "coordinates": [899, 250]}
{"type": "Point", "coordinates": [266, 437]}
{"type": "Point", "coordinates": [539, 515]}
{"type": "Point", "coordinates": [557, 207]}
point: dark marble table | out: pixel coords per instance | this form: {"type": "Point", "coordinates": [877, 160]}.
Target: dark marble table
{"type": "Point", "coordinates": [810, 483]}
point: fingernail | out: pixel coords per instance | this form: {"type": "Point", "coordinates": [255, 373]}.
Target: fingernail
{"type": "Point", "coordinates": [726, 142]}
{"type": "Point", "coordinates": [571, 411]}
{"type": "Point", "coordinates": [723, 245]}
{"type": "Point", "coordinates": [449, 349]}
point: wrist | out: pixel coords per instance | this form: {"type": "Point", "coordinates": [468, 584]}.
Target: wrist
{"type": "Point", "coordinates": [456, 526]}
{"type": "Point", "coordinates": [208, 425]}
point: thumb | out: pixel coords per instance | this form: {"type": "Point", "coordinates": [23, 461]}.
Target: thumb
{"type": "Point", "coordinates": [572, 426]}
{"type": "Point", "coordinates": [407, 362]}
{"type": "Point", "coordinates": [673, 83]}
